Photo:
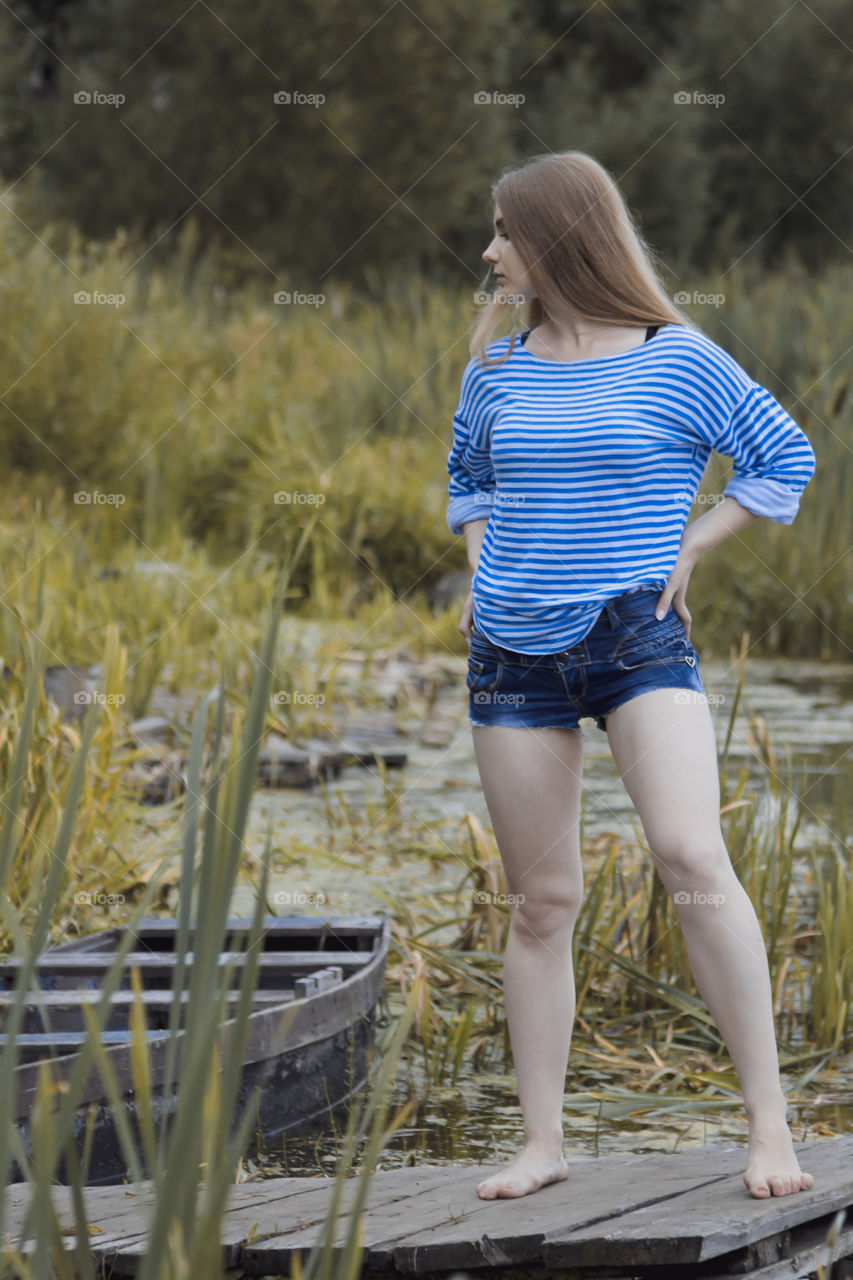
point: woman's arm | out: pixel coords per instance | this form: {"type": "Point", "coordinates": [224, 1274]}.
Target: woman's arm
{"type": "Point", "coordinates": [471, 485]}
{"type": "Point", "coordinates": [722, 520]}
{"type": "Point", "coordinates": [475, 532]}
{"type": "Point", "coordinates": [773, 462]}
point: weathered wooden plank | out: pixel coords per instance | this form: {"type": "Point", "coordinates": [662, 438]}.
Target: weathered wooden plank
{"type": "Point", "coordinates": [122, 1213]}
{"type": "Point", "coordinates": [389, 1197]}
{"type": "Point", "coordinates": [276, 928]}
{"type": "Point", "coordinates": [450, 1226]}
{"type": "Point", "coordinates": [72, 964]}
{"type": "Point", "coordinates": [303, 1214]}
{"type": "Point", "coordinates": [152, 1000]}
{"type": "Point", "coordinates": [795, 1257]}
{"type": "Point", "coordinates": [709, 1221]}
{"type": "Point", "coordinates": [55, 1018]}
{"type": "Point", "coordinates": [33, 1042]}
{"type": "Point", "coordinates": [511, 1232]}
{"type": "Point", "coordinates": [430, 1219]}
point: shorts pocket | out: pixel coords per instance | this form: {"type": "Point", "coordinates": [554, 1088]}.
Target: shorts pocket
{"type": "Point", "coordinates": [653, 644]}
{"type": "Point", "coordinates": [483, 677]}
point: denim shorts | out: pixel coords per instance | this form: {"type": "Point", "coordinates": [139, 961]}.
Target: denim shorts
{"type": "Point", "coordinates": [627, 651]}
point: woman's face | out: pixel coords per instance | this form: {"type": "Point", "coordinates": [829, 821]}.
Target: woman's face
{"type": "Point", "coordinates": [508, 269]}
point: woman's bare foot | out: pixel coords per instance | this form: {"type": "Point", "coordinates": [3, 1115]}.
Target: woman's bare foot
{"type": "Point", "coordinates": [772, 1168]}
{"type": "Point", "coordinates": [536, 1165]}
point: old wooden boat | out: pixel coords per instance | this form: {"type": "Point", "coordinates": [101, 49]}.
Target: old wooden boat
{"type": "Point", "coordinates": [309, 1031]}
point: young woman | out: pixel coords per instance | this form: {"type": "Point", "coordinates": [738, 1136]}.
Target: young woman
{"type": "Point", "coordinates": [577, 452]}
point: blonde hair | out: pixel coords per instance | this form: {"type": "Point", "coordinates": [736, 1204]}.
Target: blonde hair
{"type": "Point", "coordinates": [573, 231]}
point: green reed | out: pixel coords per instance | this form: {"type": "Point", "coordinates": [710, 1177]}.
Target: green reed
{"type": "Point", "coordinates": [192, 1162]}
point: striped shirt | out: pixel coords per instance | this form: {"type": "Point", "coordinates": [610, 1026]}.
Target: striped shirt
{"type": "Point", "coordinates": [587, 470]}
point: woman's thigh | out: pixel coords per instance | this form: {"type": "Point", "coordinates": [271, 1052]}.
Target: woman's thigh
{"type": "Point", "coordinates": [664, 747]}
{"type": "Point", "coordinates": [531, 781]}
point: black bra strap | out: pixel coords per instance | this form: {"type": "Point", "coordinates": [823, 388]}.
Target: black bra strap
{"type": "Point", "coordinates": [650, 333]}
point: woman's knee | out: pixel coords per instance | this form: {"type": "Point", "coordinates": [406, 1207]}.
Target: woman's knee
{"type": "Point", "coordinates": [549, 912]}
{"type": "Point", "coordinates": [685, 861]}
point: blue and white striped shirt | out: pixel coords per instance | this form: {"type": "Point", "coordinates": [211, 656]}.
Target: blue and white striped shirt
{"type": "Point", "coordinates": [587, 470]}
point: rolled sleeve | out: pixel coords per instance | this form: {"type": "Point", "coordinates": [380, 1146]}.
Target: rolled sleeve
{"type": "Point", "coordinates": [764, 497]}
{"type": "Point", "coordinates": [468, 506]}
{"type": "Point", "coordinates": [472, 485]}
{"type": "Point", "coordinates": [772, 458]}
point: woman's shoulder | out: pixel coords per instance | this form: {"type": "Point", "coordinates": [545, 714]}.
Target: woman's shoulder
{"type": "Point", "coordinates": [481, 372]}
{"type": "Point", "coordinates": [692, 349]}
{"type": "Point", "coordinates": [497, 347]}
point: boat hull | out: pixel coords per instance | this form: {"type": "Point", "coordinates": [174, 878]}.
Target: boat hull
{"type": "Point", "coordinates": [305, 1058]}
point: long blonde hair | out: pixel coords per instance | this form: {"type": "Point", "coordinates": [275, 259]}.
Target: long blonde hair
{"type": "Point", "coordinates": [573, 231]}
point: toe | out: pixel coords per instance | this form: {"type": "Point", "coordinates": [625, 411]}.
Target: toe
{"type": "Point", "coordinates": [756, 1185]}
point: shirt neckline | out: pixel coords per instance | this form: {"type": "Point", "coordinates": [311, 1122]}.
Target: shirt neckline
{"type": "Point", "coordinates": [568, 364]}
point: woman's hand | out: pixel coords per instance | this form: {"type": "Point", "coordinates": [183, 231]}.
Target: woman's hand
{"type": "Point", "coordinates": [676, 588]}
{"type": "Point", "coordinates": [467, 616]}
{"type": "Point", "coordinates": [725, 518]}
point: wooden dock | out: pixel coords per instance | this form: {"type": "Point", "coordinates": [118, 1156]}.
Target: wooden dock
{"type": "Point", "coordinates": [642, 1216]}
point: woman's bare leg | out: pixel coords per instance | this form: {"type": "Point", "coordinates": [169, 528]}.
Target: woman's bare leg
{"type": "Point", "coordinates": [532, 784]}
{"type": "Point", "coordinates": [664, 748]}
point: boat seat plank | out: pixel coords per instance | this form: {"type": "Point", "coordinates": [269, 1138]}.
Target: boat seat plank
{"type": "Point", "coordinates": [275, 928]}
{"type": "Point", "coordinates": [75, 1039]}
{"type": "Point", "coordinates": [149, 961]}
{"type": "Point", "coordinates": [53, 1000]}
